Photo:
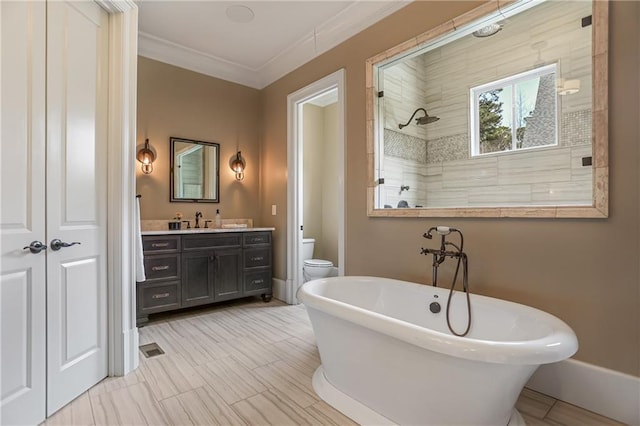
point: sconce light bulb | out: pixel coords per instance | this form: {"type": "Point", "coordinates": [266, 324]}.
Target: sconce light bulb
{"type": "Point", "coordinates": [237, 163]}
{"type": "Point", "coordinates": [146, 157]}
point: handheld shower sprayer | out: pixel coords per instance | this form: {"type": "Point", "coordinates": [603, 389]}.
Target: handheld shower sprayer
{"type": "Point", "coordinates": [442, 230]}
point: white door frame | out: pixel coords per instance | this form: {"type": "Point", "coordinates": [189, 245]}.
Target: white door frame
{"type": "Point", "coordinates": [294, 181]}
{"type": "Point", "coordinates": [123, 60]}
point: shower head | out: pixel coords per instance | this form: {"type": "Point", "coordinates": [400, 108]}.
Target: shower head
{"type": "Point", "coordinates": [421, 120]}
{"type": "Point", "coordinates": [427, 119]}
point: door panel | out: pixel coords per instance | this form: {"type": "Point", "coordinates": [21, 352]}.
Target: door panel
{"type": "Point", "coordinates": [77, 34]}
{"type": "Point", "coordinates": [22, 213]}
{"type": "Point", "coordinates": [79, 284]}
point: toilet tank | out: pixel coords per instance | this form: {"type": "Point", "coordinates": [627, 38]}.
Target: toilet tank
{"type": "Point", "coordinates": [307, 248]}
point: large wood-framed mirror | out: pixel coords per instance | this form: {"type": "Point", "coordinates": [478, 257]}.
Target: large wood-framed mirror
{"type": "Point", "coordinates": [195, 172]}
{"type": "Point", "coordinates": [500, 112]}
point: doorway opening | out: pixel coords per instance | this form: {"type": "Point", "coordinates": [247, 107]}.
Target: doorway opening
{"type": "Point", "coordinates": [315, 188]}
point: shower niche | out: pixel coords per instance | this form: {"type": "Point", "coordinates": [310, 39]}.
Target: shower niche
{"type": "Point", "coordinates": [500, 112]}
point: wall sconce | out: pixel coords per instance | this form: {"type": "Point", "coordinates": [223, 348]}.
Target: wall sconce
{"type": "Point", "coordinates": [146, 157]}
{"type": "Point", "coordinates": [238, 164]}
{"type": "Point", "coordinates": [568, 87]}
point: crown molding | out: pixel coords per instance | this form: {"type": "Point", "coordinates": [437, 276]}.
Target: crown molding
{"type": "Point", "coordinates": [184, 57]}
{"type": "Point", "coordinates": [331, 33]}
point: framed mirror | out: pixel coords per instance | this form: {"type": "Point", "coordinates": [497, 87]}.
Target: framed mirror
{"type": "Point", "coordinates": [500, 112]}
{"type": "Point", "coordinates": [195, 167]}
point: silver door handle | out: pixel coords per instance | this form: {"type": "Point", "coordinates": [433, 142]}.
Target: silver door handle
{"type": "Point", "coordinates": [35, 247]}
{"type": "Point", "coordinates": [57, 244]}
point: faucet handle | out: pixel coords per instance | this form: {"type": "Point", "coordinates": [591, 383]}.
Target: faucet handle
{"type": "Point", "coordinates": [188, 223]}
{"type": "Point", "coordinates": [206, 223]}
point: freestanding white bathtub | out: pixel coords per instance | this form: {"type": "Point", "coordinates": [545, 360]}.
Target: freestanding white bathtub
{"type": "Point", "coordinates": [386, 359]}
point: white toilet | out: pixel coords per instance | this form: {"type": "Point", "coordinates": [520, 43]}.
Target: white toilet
{"type": "Point", "coordinates": [313, 268]}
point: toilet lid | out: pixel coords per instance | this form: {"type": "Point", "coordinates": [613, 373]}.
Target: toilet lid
{"type": "Point", "coordinates": [317, 262]}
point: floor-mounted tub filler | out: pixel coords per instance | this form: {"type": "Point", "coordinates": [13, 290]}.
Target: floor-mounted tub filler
{"type": "Point", "coordinates": [388, 358]}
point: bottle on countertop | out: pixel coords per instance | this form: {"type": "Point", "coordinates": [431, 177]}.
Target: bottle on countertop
{"type": "Point", "coordinates": [218, 219]}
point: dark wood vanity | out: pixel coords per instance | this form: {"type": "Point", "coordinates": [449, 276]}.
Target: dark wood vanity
{"type": "Point", "coordinates": [193, 269]}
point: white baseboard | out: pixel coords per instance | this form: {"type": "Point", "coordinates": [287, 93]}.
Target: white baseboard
{"type": "Point", "coordinates": [131, 338]}
{"type": "Point", "coordinates": [606, 392]}
{"type": "Point", "coordinates": [279, 289]}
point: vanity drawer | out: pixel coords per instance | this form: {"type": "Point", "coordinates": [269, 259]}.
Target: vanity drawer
{"type": "Point", "coordinates": [158, 297]}
{"type": "Point", "coordinates": [160, 267]}
{"type": "Point", "coordinates": [256, 257]}
{"type": "Point", "coordinates": [257, 282]}
{"type": "Point", "coordinates": [251, 238]}
{"type": "Point", "coordinates": [161, 244]}
{"type": "Point", "coordinates": [200, 242]}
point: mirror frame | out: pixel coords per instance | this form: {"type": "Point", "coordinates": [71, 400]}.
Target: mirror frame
{"type": "Point", "coordinates": [172, 197]}
{"type": "Point", "coordinates": [599, 125]}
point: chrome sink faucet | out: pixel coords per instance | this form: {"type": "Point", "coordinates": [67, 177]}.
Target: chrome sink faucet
{"type": "Point", "coordinates": [198, 216]}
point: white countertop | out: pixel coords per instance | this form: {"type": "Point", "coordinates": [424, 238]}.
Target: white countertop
{"type": "Point", "coordinates": [204, 231]}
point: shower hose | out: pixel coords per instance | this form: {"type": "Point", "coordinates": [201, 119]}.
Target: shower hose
{"type": "Point", "coordinates": [462, 259]}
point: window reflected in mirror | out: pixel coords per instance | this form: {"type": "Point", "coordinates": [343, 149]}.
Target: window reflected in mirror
{"type": "Point", "coordinates": [194, 171]}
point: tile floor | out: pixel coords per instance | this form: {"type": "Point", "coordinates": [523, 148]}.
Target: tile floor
{"type": "Point", "coordinates": [244, 363]}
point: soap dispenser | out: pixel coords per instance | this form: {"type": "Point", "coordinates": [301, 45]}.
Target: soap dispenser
{"type": "Point", "coordinates": [218, 221]}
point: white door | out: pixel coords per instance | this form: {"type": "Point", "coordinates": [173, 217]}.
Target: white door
{"type": "Point", "coordinates": [77, 77]}
{"type": "Point", "coordinates": [53, 340]}
{"type": "Point", "coordinates": [22, 213]}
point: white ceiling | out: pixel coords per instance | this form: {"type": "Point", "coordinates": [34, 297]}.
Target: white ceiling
{"type": "Point", "coordinates": [200, 36]}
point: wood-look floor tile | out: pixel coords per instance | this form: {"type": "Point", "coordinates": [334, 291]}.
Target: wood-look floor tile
{"type": "Point", "coordinates": [534, 403]}
{"type": "Point", "coordinates": [230, 379]}
{"type": "Point", "coordinates": [112, 383]}
{"type": "Point", "coordinates": [288, 385]}
{"type": "Point", "coordinates": [269, 409]}
{"type": "Point", "coordinates": [298, 376]}
{"type": "Point", "coordinates": [170, 375]}
{"type": "Point", "coordinates": [298, 353]}
{"type": "Point", "coordinates": [77, 412]}
{"type": "Point", "coordinates": [570, 415]}
{"type": "Point", "coordinates": [202, 406]}
{"type": "Point", "coordinates": [133, 405]}
{"type": "Point", "coordinates": [534, 421]}
{"type": "Point", "coordinates": [327, 415]}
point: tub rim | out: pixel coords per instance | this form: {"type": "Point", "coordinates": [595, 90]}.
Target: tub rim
{"type": "Point", "coordinates": [561, 343]}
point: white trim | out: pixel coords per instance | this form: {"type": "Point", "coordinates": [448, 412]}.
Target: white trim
{"type": "Point", "coordinates": [324, 37]}
{"type": "Point", "coordinates": [606, 392]}
{"type": "Point", "coordinates": [191, 59]}
{"type": "Point", "coordinates": [279, 289]}
{"type": "Point", "coordinates": [123, 334]}
{"type": "Point", "coordinates": [294, 181]}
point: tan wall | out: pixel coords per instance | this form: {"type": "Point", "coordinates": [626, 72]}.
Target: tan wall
{"type": "Point", "coordinates": [312, 159]}
{"type": "Point", "coordinates": [175, 102]}
{"type": "Point", "coordinates": [320, 181]}
{"type": "Point", "coordinates": [584, 271]}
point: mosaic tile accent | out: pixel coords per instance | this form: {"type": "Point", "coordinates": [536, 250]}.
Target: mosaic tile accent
{"type": "Point", "coordinates": [399, 145]}
{"type": "Point", "coordinates": [448, 148]}
{"type": "Point", "coordinates": [576, 128]}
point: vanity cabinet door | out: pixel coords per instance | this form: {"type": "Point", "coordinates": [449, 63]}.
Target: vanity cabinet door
{"type": "Point", "coordinates": [228, 274]}
{"type": "Point", "coordinates": [197, 277]}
